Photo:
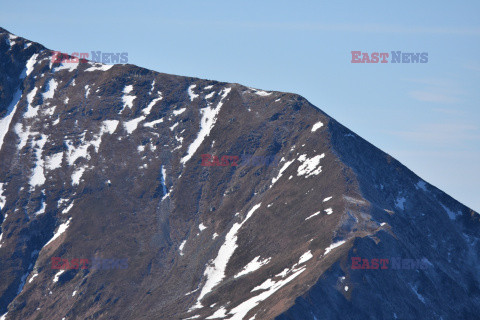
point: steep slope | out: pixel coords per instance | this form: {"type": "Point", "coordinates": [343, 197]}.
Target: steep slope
{"type": "Point", "coordinates": [421, 222]}
{"type": "Point", "coordinates": [105, 162]}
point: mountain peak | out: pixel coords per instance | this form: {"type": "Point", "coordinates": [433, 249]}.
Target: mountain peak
{"type": "Point", "coordinates": [208, 200]}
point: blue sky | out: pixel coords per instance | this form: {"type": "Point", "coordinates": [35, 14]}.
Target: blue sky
{"type": "Point", "coordinates": [425, 115]}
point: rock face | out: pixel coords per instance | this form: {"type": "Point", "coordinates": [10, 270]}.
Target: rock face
{"type": "Point", "coordinates": [128, 194]}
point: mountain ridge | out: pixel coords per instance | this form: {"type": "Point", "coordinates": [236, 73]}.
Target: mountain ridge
{"type": "Point", "coordinates": [179, 267]}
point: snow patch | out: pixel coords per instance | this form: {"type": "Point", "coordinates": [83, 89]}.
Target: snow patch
{"type": "Point", "coordinates": [282, 169]}
{"type": "Point", "coordinates": [61, 229]}
{"type": "Point", "coordinates": [54, 161]}
{"type": "Point", "coordinates": [29, 66]}
{"type": "Point", "coordinates": [11, 40]}
{"type": "Point", "coordinates": [7, 118]}
{"type": "Point", "coordinates": [270, 286]}
{"type": "Point", "coordinates": [52, 86]}
{"type": "Point", "coordinates": [57, 275]}
{"type": "Point", "coordinates": [3, 199]}
{"type": "Point", "coordinates": [132, 125]}
{"type": "Point", "coordinates": [153, 123]}
{"type": "Point", "coordinates": [179, 111]}
{"type": "Point", "coordinates": [42, 208]}
{"type": "Point", "coordinates": [174, 126]}
{"type": "Point", "coordinates": [110, 125]}
{"type": "Point", "coordinates": [317, 126]}
{"type": "Point", "coordinates": [77, 175]}
{"type": "Point", "coordinates": [305, 257]}
{"type": "Point", "coordinates": [32, 111]}
{"type": "Point", "coordinates": [181, 247]}
{"type": "Point", "coordinates": [220, 313]}
{"type": "Point", "coordinates": [209, 117]}
{"type": "Point", "coordinates": [33, 277]}
{"type": "Point", "coordinates": [66, 66]}
{"type": "Point", "coordinates": [261, 92]}
{"type": "Point", "coordinates": [148, 109]}
{"type": "Point", "coordinates": [211, 94]}
{"type": "Point", "coordinates": [38, 175]}
{"type": "Point", "coordinates": [49, 111]}
{"type": "Point", "coordinates": [191, 94]}
{"type": "Point", "coordinates": [24, 135]}
{"type": "Point", "coordinates": [67, 209]}
{"type": "Point", "coordinates": [99, 67]}
{"type": "Point", "coordinates": [215, 271]}
{"type": "Point", "coordinates": [311, 166]}
{"type": "Point", "coordinates": [252, 266]}
{"type": "Point", "coordinates": [82, 151]}
{"type": "Point", "coordinates": [333, 246]}
{"type": "Point", "coordinates": [127, 99]}
{"type": "Point", "coordinates": [313, 215]}
{"type": "Point", "coordinates": [164, 186]}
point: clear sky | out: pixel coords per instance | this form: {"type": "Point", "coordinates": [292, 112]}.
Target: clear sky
{"type": "Point", "coordinates": [425, 115]}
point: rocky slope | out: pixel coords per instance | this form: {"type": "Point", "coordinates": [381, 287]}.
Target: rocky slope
{"type": "Point", "coordinates": [105, 163]}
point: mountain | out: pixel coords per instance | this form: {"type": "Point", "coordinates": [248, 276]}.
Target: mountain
{"type": "Point", "coordinates": [131, 194]}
